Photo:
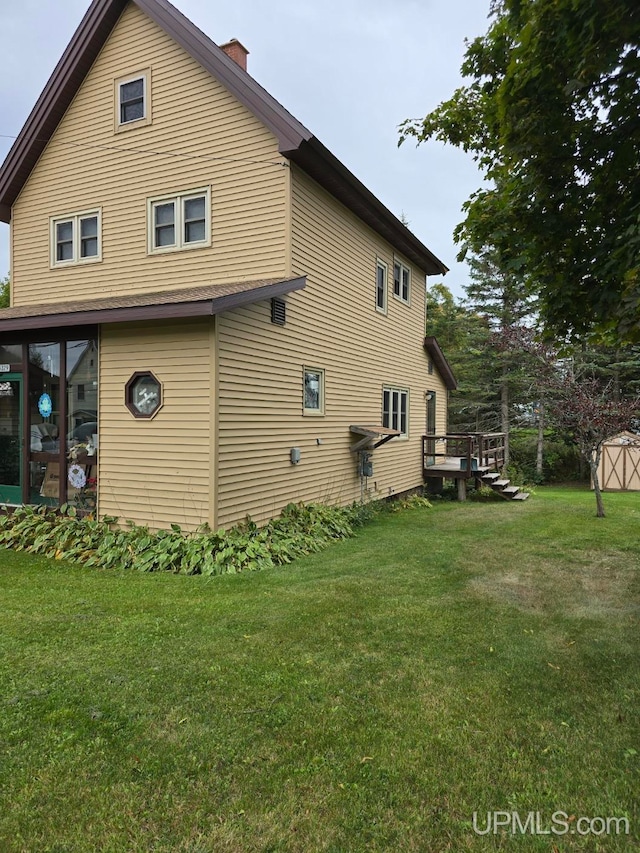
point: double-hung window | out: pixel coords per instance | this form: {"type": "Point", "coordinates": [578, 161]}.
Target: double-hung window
{"type": "Point", "coordinates": [76, 238]}
{"type": "Point", "coordinates": [133, 102]}
{"type": "Point", "coordinates": [401, 281]}
{"type": "Point", "coordinates": [381, 287]}
{"type": "Point", "coordinates": [180, 221]}
{"type": "Point", "coordinates": [395, 407]}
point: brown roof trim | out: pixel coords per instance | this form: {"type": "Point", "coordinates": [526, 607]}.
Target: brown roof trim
{"type": "Point", "coordinates": [442, 365]}
{"type": "Point", "coordinates": [288, 130]}
{"type": "Point", "coordinates": [295, 141]}
{"type": "Point", "coordinates": [324, 167]}
{"type": "Point", "coordinates": [173, 305]}
{"type": "Point", "coordinates": [61, 88]}
{"type": "Point", "coordinates": [82, 50]}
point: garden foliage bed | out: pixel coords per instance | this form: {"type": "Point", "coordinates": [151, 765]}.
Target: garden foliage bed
{"type": "Point", "coordinates": [301, 529]}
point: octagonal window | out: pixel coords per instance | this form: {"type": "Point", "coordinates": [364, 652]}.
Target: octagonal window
{"type": "Point", "coordinates": [143, 395]}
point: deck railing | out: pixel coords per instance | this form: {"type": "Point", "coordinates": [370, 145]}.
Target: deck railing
{"type": "Point", "coordinates": [470, 450]}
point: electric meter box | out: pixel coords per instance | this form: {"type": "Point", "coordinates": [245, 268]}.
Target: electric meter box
{"type": "Point", "coordinates": [366, 465]}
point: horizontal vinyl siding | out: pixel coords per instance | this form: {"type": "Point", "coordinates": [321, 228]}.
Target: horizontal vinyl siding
{"type": "Point", "coordinates": [157, 471]}
{"type": "Point", "coordinates": [228, 149]}
{"type": "Point", "coordinates": [332, 324]}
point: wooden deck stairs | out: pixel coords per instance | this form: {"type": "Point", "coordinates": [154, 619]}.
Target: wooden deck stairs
{"type": "Point", "coordinates": [469, 456]}
{"type": "Point", "coordinates": [503, 487]}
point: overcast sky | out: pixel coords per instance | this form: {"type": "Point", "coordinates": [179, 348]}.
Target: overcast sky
{"type": "Point", "coordinates": [350, 70]}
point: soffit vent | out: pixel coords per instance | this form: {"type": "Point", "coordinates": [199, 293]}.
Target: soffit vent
{"type": "Point", "coordinates": [278, 311]}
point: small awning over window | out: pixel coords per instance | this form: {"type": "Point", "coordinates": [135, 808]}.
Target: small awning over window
{"type": "Point", "coordinates": [370, 434]}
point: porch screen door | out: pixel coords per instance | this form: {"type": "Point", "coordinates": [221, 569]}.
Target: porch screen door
{"type": "Point", "coordinates": [10, 439]}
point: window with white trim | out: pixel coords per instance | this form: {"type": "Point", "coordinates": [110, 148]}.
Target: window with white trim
{"type": "Point", "coordinates": [381, 287]}
{"type": "Point", "coordinates": [180, 221]}
{"type": "Point", "coordinates": [76, 238]}
{"type": "Point", "coordinates": [395, 408]}
{"type": "Point", "coordinates": [401, 281]}
{"type": "Point", "coordinates": [313, 391]}
{"type": "Point", "coordinates": [133, 103]}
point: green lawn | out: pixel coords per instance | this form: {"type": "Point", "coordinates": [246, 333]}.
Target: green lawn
{"type": "Point", "coordinates": [469, 658]}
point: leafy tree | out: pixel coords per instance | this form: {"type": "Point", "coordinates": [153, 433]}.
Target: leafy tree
{"type": "Point", "coordinates": [552, 115]}
{"type": "Point", "coordinates": [5, 293]}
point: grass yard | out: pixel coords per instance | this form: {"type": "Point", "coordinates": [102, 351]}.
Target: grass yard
{"type": "Point", "coordinates": [469, 658]}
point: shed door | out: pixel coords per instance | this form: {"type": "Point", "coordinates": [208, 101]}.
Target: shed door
{"type": "Point", "coordinates": [620, 467]}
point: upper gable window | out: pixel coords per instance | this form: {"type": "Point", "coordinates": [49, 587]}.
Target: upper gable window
{"type": "Point", "coordinates": [133, 102]}
{"type": "Point", "coordinates": [180, 221]}
{"type": "Point", "coordinates": [401, 281]}
{"type": "Point", "coordinates": [76, 238]}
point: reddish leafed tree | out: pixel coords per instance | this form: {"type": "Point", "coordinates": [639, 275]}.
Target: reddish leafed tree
{"type": "Point", "coordinates": [587, 410]}
{"type": "Point", "coordinates": [577, 403]}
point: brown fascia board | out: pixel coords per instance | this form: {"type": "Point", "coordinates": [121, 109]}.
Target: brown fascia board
{"type": "Point", "coordinates": [284, 126]}
{"type": "Point", "coordinates": [324, 167]}
{"type": "Point", "coordinates": [295, 141]}
{"type": "Point", "coordinates": [55, 99]}
{"type": "Point", "coordinates": [81, 52]}
{"type": "Point", "coordinates": [140, 313]}
{"type": "Point", "coordinates": [442, 365]}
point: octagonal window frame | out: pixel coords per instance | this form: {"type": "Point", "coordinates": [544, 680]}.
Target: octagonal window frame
{"type": "Point", "coordinates": [128, 394]}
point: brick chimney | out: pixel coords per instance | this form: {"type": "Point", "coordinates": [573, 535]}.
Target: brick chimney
{"type": "Point", "coordinates": [236, 51]}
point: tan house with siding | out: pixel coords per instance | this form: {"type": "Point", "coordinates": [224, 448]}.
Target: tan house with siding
{"type": "Point", "coordinates": [195, 273]}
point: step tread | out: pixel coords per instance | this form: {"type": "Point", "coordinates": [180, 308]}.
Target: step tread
{"type": "Point", "coordinates": [521, 496]}
{"type": "Point", "coordinates": [501, 484]}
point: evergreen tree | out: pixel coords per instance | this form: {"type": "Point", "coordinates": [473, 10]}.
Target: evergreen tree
{"type": "Point", "coordinates": [501, 297]}
{"type": "Point", "coordinates": [465, 340]}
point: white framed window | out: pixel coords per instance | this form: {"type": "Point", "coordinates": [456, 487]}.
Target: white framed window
{"type": "Point", "coordinates": [381, 287]}
{"type": "Point", "coordinates": [395, 409]}
{"type": "Point", "coordinates": [76, 238]}
{"type": "Point", "coordinates": [313, 391]}
{"type": "Point", "coordinates": [179, 221]}
{"type": "Point", "coordinates": [132, 100]}
{"type": "Point", "coordinates": [401, 282]}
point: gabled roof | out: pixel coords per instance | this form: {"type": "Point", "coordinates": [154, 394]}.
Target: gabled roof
{"type": "Point", "coordinates": [294, 140]}
{"type": "Point", "coordinates": [171, 304]}
{"type": "Point", "coordinates": [442, 365]}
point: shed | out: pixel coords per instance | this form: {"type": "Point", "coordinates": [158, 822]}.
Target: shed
{"type": "Point", "coordinates": [619, 469]}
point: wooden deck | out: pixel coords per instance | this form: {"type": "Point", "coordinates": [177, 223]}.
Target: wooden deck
{"type": "Point", "coordinates": [462, 456]}
{"type": "Point", "coordinates": [452, 468]}
{"type": "Point", "coordinates": [478, 456]}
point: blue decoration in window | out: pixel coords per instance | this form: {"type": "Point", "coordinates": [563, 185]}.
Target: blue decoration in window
{"type": "Point", "coordinates": [45, 406]}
